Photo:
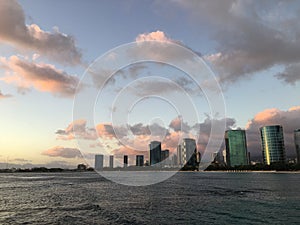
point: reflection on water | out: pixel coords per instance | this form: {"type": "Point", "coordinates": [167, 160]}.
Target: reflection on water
{"type": "Point", "coordinates": [186, 198]}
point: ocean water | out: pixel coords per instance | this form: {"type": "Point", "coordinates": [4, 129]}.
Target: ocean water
{"type": "Point", "coordinates": [186, 198]}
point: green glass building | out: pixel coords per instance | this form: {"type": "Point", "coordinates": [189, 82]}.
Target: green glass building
{"type": "Point", "coordinates": [236, 148]}
{"type": "Point", "coordinates": [272, 143]}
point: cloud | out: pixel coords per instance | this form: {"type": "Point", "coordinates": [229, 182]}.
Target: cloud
{"type": "Point", "coordinates": [205, 131]}
{"type": "Point", "coordinates": [99, 76]}
{"type": "Point", "coordinates": [2, 96]}
{"type": "Point", "coordinates": [290, 74]}
{"type": "Point", "coordinates": [289, 119]}
{"type": "Point", "coordinates": [60, 151]}
{"type": "Point", "coordinates": [178, 124]}
{"type": "Point", "coordinates": [138, 141]}
{"type": "Point", "coordinates": [153, 36]}
{"type": "Point", "coordinates": [155, 129]}
{"type": "Point", "coordinates": [20, 160]}
{"type": "Point", "coordinates": [160, 85]}
{"type": "Point", "coordinates": [123, 150]}
{"type": "Point", "coordinates": [151, 86]}
{"type": "Point", "coordinates": [149, 43]}
{"type": "Point", "coordinates": [135, 138]}
{"type": "Point", "coordinates": [151, 50]}
{"type": "Point", "coordinates": [251, 36]}
{"type": "Point", "coordinates": [80, 129]}
{"type": "Point", "coordinates": [55, 45]}
{"type": "Point", "coordinates": [43, 77]}
{"type": "Point", "coordinates": [140, 129]}
{"type": "Point", "coordinates": [173, 135]}
{"type": "Point", "coordinates": [172, 140]}
{"type": "Point", "coordinates": [106, 131]}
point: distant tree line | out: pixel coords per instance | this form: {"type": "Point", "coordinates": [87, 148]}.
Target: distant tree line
{"type": "Point", "coordinates": [211, 167]}
{"type": "Point", "coordinates": [256, 167]}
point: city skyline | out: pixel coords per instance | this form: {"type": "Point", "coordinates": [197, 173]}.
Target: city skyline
{"type": "Point", "coordinates": [255, 58]}
{"type": "Point", "coordinates": [236, 154]}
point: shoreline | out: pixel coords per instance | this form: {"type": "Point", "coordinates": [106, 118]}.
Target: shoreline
{"type": "Point", "coordinates": [171, 171]}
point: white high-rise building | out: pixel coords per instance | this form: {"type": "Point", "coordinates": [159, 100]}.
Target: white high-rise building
{"type": "Point", "coordinates": [179, 156]}
{"type": "Point", "coordinates": [186, 152]}
{"type": "Point", "coordinates": [224, 155]}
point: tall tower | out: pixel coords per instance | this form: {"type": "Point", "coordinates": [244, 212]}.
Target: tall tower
{"type": "Point", "coordinates": [297, 143]}
{"type": "Point", "coordinates": [99, 162]}
{"type": "Point", "coordinates": [272, 143]}
{"type": "Point", "coordinates": [236, 148]}
{"type": "Point", "coordinates": [155, 152]}
{"type": "Point", "coordinates": [111, 161]}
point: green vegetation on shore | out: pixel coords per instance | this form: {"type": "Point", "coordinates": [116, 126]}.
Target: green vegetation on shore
{"type": "Point", "coordinates": [212, 167]}
{"type": "Point", "coordinates": [256, 167]}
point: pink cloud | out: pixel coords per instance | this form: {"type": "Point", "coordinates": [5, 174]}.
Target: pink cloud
{"type": "Point", "coordinates": [153, 36]}
{"type": "Point", "coordinates": [105, 130]}
{"type": "Point", "coordinates": [289, 119]}
{"type": "Point", "coordinates": [60, 151]}
{"type": "Point", "coordinates": [266, 115]}
{"type": "Point", "coordinates": [141, 135]}
{"type": "Point", "coordinates": [123, 150]}
{"type": "Point", "coordinates": [294, 108]}
{"type": "Point", "coordinates": [158, 46]}
{"type": "Point", "coordinates": [77, 129]}
{"type": "Point", "coordinates": [178, 124]}
{"type": "Point", "coordinates": [2, 96]}
{"type": "Point", "coordinates": [43, 77]}
{"type": "Point", "coordinates": [171, 141]}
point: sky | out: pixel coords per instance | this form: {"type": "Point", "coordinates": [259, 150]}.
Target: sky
{"type": "Point", "coordinates": [54, 111]}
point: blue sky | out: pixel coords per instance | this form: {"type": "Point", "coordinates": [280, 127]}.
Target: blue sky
{"type": "Point", "coordinates": [252, 47]}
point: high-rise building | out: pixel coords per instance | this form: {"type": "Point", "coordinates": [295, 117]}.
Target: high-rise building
{"type": "Point", "coordinates": [236, 148]}
{"type": "Point", "coordinates": [125, 161]}
{"type": "Point", "coordinates": [272, 143]}
{"type": "Point", "coordinates": [187, 152]}
{"type": "Point", "coordinates": [174, 160]}
{"type": "Point", "coordinates": [198, 157]}
{"type": "Point", "coordinates": [111, 161]}
{"type": "Point", "coordinates": [165, 154]}
{"type": "Point", "coordinates": [99, 162]}
{"type": "Point", "coordinates": [139, 160]}
{"type": "Point", "coordinates": [217, 157]}
{"type": "Point", "coordinates": [297, 143]}
{"type": "Point", "coordinates": [214, 156]}
{"type": "Point", "coordinates": [179, 156]}
{"type": "Point", "coordinates": [165, 157]}
{"type": "Point", "coordinates": [155, 152]}
{"type": "Point", "coordinates": [224, 155]}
